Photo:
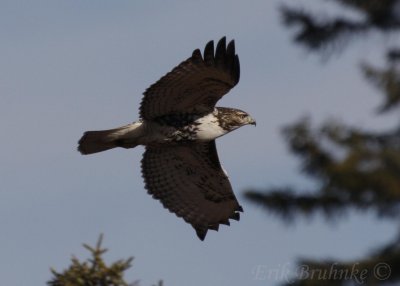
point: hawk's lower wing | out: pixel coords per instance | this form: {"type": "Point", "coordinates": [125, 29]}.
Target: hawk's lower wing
{"type": "Point", "coordinates": [189, 181]}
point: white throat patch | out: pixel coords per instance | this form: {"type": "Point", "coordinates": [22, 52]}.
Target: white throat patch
{"type": "Point", "coordinates": [208, 128]}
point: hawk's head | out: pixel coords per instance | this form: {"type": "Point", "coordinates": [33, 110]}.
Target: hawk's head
{"type": "Point", "coordinates": [231, 118]}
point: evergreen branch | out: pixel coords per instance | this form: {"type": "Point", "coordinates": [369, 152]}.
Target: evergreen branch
{"type": "Point", "coordinates": [286, 204]}
{"type": "Point", "coordinates": [317, 34]}
{"type": "Point", "coordinates": [355, 168]}
{"type": "Point", "coordinates": [93, 272]}
{"type": "Point", "coordinates": [388, 81]}
{"type": "Point", "coordinates": [380, 267]}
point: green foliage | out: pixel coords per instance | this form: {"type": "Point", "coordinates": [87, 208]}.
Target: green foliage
{"type": "Point", "coordinates": [317, 33]}
{"type": "Point", "coordinates": [93, 272]}
{"type": "Point", "coordinates": [363, 174]}
{"type": "Point", "coordinates": [387, 80]}
{"type": "Point", "coordinates": [354, 168]}
{"type": "Point", "coordinates": [378, 269]}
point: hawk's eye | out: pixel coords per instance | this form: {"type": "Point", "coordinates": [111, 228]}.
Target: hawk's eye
{"type": "Point", "coordinates": [243, 116]}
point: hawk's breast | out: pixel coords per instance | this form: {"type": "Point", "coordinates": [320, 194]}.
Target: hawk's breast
{"type": "Point", "coordinates": [208, 128]}
{"type": "Point", "coordinates": [182, 128]}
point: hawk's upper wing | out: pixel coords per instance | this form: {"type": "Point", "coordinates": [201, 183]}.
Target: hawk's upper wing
{"type": "Point", "coordinates": [189, 181]}
{"type": "Point", "coordinates": [195, 85]}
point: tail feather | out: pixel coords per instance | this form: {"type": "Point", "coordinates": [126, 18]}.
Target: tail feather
{"type": "Point", "coordinates": [98, 141]}
{"type": "Point", "coordinates": [94, 142]}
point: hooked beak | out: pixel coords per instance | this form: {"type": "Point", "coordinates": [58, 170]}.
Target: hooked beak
{"type": "Point", "coordinates": [252, 122]}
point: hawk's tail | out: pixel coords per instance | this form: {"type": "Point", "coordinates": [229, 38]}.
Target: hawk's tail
{"type": "Point", "coordinates": [98, 141]}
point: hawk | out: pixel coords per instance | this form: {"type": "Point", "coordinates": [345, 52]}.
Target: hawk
{"type": "Point", "coordinates": [178, 126]}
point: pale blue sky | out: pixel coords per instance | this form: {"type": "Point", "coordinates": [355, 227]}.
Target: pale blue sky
{"type": "Point", "coordinates": [71, 66]}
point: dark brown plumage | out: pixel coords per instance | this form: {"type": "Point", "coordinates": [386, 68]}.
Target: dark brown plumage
{"type": "Point", "coordinates": [179, 124]}
{"type": "Point", "coordinates": [195, 85]}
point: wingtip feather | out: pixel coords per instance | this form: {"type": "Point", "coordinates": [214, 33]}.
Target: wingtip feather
{"type": "Point", "coordinates": [225, 222]}
{"type": "Point", "coordinates": [221, 50]}
{"type": "Point", "coordinates": [209, 53]}
{"type": "Point", "coordinates": [230, 49]}
{"type": "Point", "coordinates": [235, 216]}
{"type": "Point", "coordinates": [196, 56]}
{"type": "Point", "coordinates": [201, 233]}
{"type": "Point", "coordinates": [214, 227]}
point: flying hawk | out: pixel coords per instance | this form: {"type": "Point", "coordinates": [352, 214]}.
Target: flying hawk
{"type": "Point", "coordinates": [178, 126]}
